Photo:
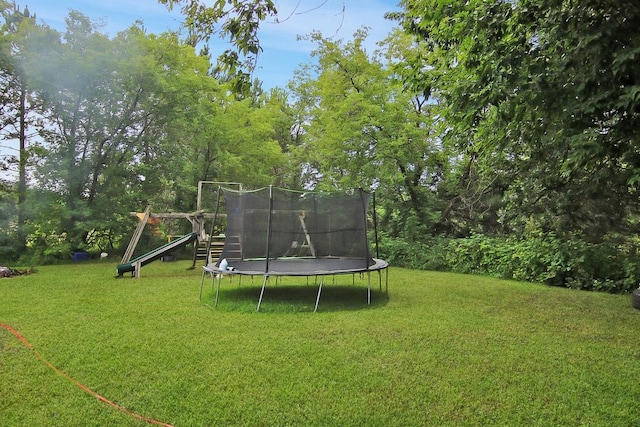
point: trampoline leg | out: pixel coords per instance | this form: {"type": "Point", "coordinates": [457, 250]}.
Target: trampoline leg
{"type": "Point", "coordinates": [202, 285]}
{"type": "Point", "coordinates": [318, 298]}
{"type": "Point", "coordinates": [264, 283]}
{"type": "Point", "coordinates": [218, 288]}
{"type": "Point", "coordinates": [369, 289]}
{"type": "Point", "coordinates": [386, 285]}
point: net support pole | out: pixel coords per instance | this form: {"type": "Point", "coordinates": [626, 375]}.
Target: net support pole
{"type": "Point", "coordinates": [269, 218]}
{"type": "Point", "coordinates": [375, 223]}
{"type": "Point", "coordinates": [213, 224]}
{"type": "Point", "coordinates": [367, 253]}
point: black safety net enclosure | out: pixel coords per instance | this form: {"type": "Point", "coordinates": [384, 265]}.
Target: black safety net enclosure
{"type": "Point", "coordinates": [278, 232]}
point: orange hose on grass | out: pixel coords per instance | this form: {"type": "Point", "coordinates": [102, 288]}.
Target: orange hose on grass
{"type": "Point", "coordinates": [78, 383]}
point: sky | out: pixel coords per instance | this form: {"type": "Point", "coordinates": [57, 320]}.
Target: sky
{"type": "Point", "coordinates": [282, 52]}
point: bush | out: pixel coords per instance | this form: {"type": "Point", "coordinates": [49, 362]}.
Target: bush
{"type": "Point", "coordinates": [610, 266]}
{"type": "Point", "coordinates": [428, 254]}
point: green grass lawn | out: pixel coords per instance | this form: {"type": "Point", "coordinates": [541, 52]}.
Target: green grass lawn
{"type": "Point", "coordinates": [437, 350]}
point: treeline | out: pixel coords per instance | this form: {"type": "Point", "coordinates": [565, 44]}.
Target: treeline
{"type": "Point", "coordinates": [500, 137]}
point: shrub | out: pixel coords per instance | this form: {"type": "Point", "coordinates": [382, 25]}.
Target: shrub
{"type": "Point", "coordinates": [609, 266]}
{"type": "Point", "coordinates": [428, 254]}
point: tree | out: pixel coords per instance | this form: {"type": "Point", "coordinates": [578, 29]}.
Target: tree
{"type": "Point", "coordinates": [363, 130]}
{"type": "Point", "coordinates": [237, 20]}
{"type": "Point", "coordinates": [544, 97]}
{"type": "Point", "coordinates": [109, 105]}
{"type": "Point", "coordinates": [134, 120]}
{"type": "Point", "coordinates": [14, 103]}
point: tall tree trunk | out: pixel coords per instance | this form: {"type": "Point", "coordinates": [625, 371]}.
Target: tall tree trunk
{"type": "Point", "coordinates": [24, 155]}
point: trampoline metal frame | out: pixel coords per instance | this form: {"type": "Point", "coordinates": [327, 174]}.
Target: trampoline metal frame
{"type": "Point", "coordinates": [216, 272]}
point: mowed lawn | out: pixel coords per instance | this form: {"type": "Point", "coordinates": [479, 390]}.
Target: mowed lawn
{"type": "Point", "coordinates": [438, 349]}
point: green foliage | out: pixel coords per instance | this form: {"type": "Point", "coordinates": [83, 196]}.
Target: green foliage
{"type": "Point", "coordinates": [362, 129]}
{"type": "Point", "coordinates": [608, 266]}
{"type": "Point", "coordinates": [127, 122]}
{"type": "Point", "coordinates": [543, 97]}
{"type": "Point", "coordinates": [235, 20]}
{"type": "Point", "coordinates": [9, 243]}
{"type": "Point", "coordinates": [428, 254]}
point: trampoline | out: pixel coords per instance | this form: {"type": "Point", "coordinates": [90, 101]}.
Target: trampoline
{"type": "Point", "coordinates": [274, 232]}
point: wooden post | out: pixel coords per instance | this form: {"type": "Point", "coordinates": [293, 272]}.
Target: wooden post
{"type": "Point", "coordinates": [136, 236]}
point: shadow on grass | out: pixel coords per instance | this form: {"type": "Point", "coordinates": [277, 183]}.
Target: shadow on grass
{"type": "Point", "coordinates": [297, 298]}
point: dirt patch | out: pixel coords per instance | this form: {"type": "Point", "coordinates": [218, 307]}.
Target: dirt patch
{"type": "Point", "coordinates": [11, 272]}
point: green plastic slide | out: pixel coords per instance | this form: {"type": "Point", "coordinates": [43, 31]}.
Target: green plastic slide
{"type": "Point", "coordinates": [155, 254]}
